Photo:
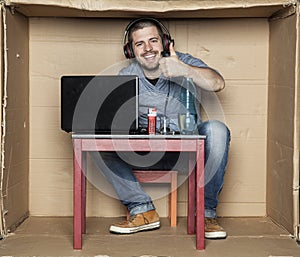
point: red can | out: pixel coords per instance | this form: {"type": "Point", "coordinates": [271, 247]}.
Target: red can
{"type": "Point", "coordinates": [152, 121]}
{"type": "Point", "coordinates": [151, 124]}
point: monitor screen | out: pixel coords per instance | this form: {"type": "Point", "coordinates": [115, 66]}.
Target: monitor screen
{"type": "Point", "coordinates": [99, 104]}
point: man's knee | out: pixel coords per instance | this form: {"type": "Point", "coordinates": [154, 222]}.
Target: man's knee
{"type": "Point", "coordinates": [214, 128]}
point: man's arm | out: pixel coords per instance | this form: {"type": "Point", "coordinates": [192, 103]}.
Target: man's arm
{"type": "Point", "coordinates": [204, 77]}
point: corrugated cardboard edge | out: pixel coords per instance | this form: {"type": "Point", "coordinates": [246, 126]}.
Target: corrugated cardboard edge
{"type": "Point", "coordinates": [3, 230]}
{"type": "Point", "coordinates": [160, 6]}
{"type": "Point", "coordinates": [297, 132]}
{"type": "Point", "coordinates": [173, 9]}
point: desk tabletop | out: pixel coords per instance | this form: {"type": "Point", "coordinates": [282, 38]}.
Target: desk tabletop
{"type": "Point", "coordinates": [157, 136]}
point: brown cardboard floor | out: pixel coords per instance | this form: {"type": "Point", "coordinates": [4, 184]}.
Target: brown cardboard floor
{"type": "Point", "coordinates": [44, 236]}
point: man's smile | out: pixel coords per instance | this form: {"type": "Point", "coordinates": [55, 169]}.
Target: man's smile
{"type": "Point", "coordinates": [150, 56]}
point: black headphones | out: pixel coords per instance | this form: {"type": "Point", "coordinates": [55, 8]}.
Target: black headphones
{"type": "Point", "coordinates": [166, 39]}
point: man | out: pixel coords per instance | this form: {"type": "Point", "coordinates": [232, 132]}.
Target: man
{"type": "Point", "coordinates": [148, 43]}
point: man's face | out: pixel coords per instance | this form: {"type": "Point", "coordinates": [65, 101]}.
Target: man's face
{"type": "Point", "coordinates": [147, 47]}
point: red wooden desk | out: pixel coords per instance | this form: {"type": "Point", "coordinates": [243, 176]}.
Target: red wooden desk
{"type": "Point", "coordinates": [170, 143]}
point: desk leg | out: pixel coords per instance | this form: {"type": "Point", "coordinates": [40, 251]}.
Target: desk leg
{"type": "Point", "coordinates": [83, 192]}
{"type": "Point", "coordinates": [191, 196]}
{"type": "Point", "coordinates": [77, 204]}
{"type": "Point", "coordinates": [200, 244]}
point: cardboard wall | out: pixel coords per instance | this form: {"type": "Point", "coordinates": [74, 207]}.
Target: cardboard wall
{"type": "Point", "coordinates": [263, 170]}
{"type": "Point", "coordinates": [16, 121]}
{"type": "Point", "coordinates": [238, 48]}
{"type": "Point", "coordinates": [281, 120]}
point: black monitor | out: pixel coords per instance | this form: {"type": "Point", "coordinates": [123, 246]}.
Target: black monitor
{"type": "Point", "coordinates": [99, 104]}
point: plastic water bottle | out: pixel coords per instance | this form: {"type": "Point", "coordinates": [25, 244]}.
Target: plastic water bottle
{"type": "Point", "coordinates": [187, 117]}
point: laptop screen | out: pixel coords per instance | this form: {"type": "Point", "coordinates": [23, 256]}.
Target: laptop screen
{"type": "Point", "coordinates": [99, 104]}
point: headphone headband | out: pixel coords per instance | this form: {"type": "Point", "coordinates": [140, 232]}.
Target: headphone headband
{"type": "Point", "coordinates": [166, 39]}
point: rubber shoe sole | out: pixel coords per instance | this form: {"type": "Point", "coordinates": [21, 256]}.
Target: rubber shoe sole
{"type": "Point", "coordinates": [215, 235]}
{"type": "Point", "coordinates": [131, 230]}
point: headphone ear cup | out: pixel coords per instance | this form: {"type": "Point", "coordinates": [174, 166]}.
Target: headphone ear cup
{"type": "Point", "coordinates": [167, 40]}
{"type": "Point", "coordinates": [128, 51]}
{"type": "Point", "coordinates": [166, 43]}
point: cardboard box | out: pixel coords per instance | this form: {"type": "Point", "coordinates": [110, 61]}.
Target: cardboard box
{"type": "Point", "coordinates": [254, 44]}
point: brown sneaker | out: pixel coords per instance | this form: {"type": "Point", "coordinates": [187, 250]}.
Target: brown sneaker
{"type": "Point", "coordinates": [139, 222]}
{"type": "Point", "coordinates": [213, 230]}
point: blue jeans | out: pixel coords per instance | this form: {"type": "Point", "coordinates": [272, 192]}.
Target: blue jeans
{"type": "Point", "coordinates": [117, 168]}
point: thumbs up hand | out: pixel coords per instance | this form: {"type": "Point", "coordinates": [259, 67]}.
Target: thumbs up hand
{"type": "Point", "coordinates": [171, 66]}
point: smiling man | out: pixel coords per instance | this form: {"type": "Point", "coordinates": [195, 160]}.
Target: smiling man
{"type": "Point", "coordinates": [149, 45]}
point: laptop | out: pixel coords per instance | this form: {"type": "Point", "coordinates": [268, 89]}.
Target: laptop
{"type": "Point", "coordinates": [101, 104]}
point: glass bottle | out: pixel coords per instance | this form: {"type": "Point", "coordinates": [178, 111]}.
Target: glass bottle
{"type": "Point", "coordinates": [187, 117]}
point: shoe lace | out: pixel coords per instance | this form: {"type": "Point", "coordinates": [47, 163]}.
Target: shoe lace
{"type": "Point", "coordinates": [131, 218]}
{"type": "Point", "coordinates": [211, 221]}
